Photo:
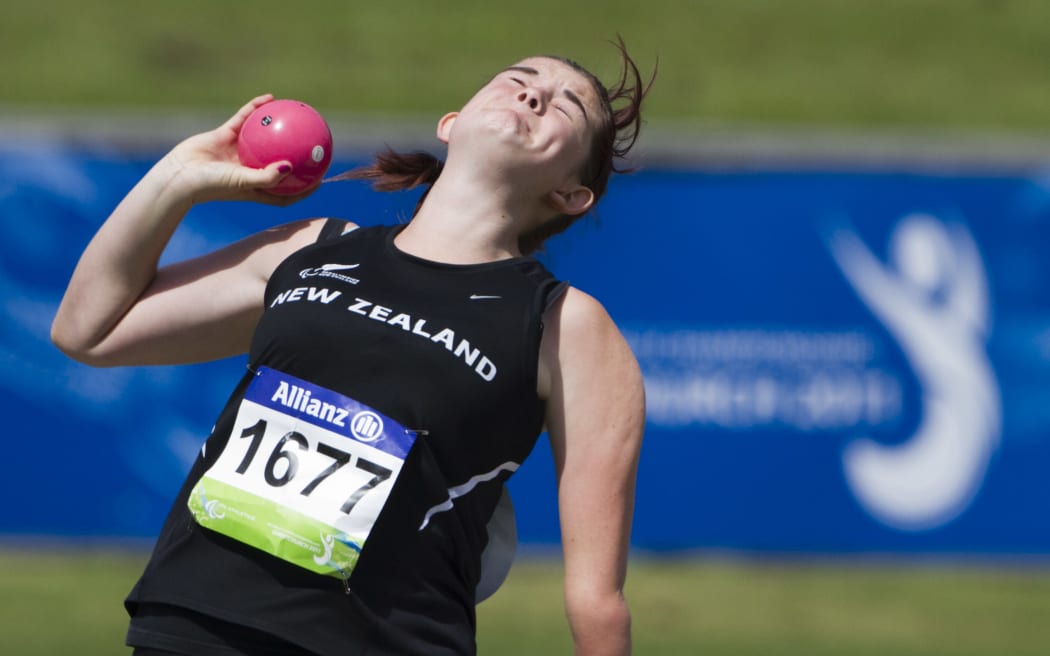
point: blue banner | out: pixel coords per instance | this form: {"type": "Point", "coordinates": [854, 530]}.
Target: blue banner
{"type": "Point", "coordinates": [835, 362]}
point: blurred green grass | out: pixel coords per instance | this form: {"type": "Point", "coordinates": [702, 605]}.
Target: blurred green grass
{"type": "Point", "coordinates": [972, 65]}
{"type": "Point", "coordinates": [68, 602]}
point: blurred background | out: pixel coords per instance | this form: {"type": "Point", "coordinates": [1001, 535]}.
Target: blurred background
{"type": "Point", "coordinates": [831, 264]}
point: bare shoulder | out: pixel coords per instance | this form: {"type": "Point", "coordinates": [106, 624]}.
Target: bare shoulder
{"type": "Point", "coordinates": [581, 339]}
{"type": "Point", "coordinates": [290, 236]}
{"type": "Point", "coordinates": [578, 310]}
{"type": "Point", "coordinates": [271, 246]}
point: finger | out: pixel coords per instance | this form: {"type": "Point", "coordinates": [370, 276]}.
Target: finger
{"type": "Point", "coordinates": [269, 176]}
{"type": "Point", "coordinates": [285, 198]}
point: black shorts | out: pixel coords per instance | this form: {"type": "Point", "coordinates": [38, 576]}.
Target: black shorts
{"type": "Point", "coordinates": [163, 630]}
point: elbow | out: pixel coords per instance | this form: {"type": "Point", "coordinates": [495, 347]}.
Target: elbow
{"type": "Point", "coordinates": [65, 340]}
{"type": "Point", "coordinates": [600, 624]}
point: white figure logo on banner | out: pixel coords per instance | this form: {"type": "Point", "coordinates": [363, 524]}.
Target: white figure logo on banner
{"type": "Point", "coordinates": [933, 299]}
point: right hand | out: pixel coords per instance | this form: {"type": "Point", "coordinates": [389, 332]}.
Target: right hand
{"type": "Point", "coordinates": [207, 168]}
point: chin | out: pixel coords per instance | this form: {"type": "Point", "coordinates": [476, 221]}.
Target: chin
{"type": "Point", "coordinates": [506, 121]}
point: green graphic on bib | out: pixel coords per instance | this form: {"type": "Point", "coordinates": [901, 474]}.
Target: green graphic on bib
{"type": "Point", "coordinates": [279, 531]}
{"type": "Point", "coordinates": [304, 474]}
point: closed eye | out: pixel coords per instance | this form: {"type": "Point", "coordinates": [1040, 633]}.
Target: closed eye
{"type": "Point", "coordinates": [568, 93]}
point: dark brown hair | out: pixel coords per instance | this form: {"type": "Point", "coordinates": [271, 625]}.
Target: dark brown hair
{"type": "Point", "coordinates": [615, 132]}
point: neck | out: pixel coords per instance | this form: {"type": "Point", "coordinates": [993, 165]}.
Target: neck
{"type": "Point", "coordinates": [465, 220]}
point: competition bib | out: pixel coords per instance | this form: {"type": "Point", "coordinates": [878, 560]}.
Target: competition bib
{"type": "Point", "coordinates": [304, 475]}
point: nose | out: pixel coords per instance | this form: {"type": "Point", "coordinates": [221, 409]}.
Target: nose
{"type": "Point", "coordinates": [531, 97]}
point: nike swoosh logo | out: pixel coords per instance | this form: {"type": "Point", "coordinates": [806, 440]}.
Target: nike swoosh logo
{"type": "Point", "coordinates": [478, 297]}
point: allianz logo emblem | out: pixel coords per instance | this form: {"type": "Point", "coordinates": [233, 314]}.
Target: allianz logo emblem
{"type": "Point", "coordinates": [367, 426]}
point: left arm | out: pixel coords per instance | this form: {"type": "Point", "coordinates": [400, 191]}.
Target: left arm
{"type": "Point", "coordinates": [595, 419]}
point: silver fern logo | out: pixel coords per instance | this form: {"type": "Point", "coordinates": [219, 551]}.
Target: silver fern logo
{"type": "Point", "coordinates": [331, 271]}
{"type": "Point", "coordinates": [933, 299]}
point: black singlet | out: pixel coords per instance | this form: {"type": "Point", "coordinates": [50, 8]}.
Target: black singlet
{"type": "Point", "coordinates": [450, 350]}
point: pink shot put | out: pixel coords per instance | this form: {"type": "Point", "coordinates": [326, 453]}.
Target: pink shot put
{"type": "Point", "coordinates": [287, 130]}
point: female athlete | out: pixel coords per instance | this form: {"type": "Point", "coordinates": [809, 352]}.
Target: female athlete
{"type": "Point", "coordinates": [346, 499]}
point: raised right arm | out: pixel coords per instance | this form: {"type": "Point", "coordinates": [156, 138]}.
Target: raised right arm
{"type": "Point", "coordinates": [119, 309]}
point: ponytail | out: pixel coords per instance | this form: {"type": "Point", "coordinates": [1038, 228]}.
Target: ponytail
{"type": "Point", "coordinates": [394, 171]}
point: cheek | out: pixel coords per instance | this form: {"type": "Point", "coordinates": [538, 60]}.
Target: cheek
{"type": "Point", "coordinates": [571, 156]}
{"type": "Point", "coordinates": [573, 141]}
{"type": "Point", "coordinates": [581, 148]}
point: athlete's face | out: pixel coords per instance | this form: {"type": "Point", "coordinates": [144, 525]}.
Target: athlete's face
{"type": "Point", "coordinates": [535, 117]}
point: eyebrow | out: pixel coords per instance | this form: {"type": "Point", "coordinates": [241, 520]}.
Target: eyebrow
{"type": "Point", "coordinates": [569, 93]}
